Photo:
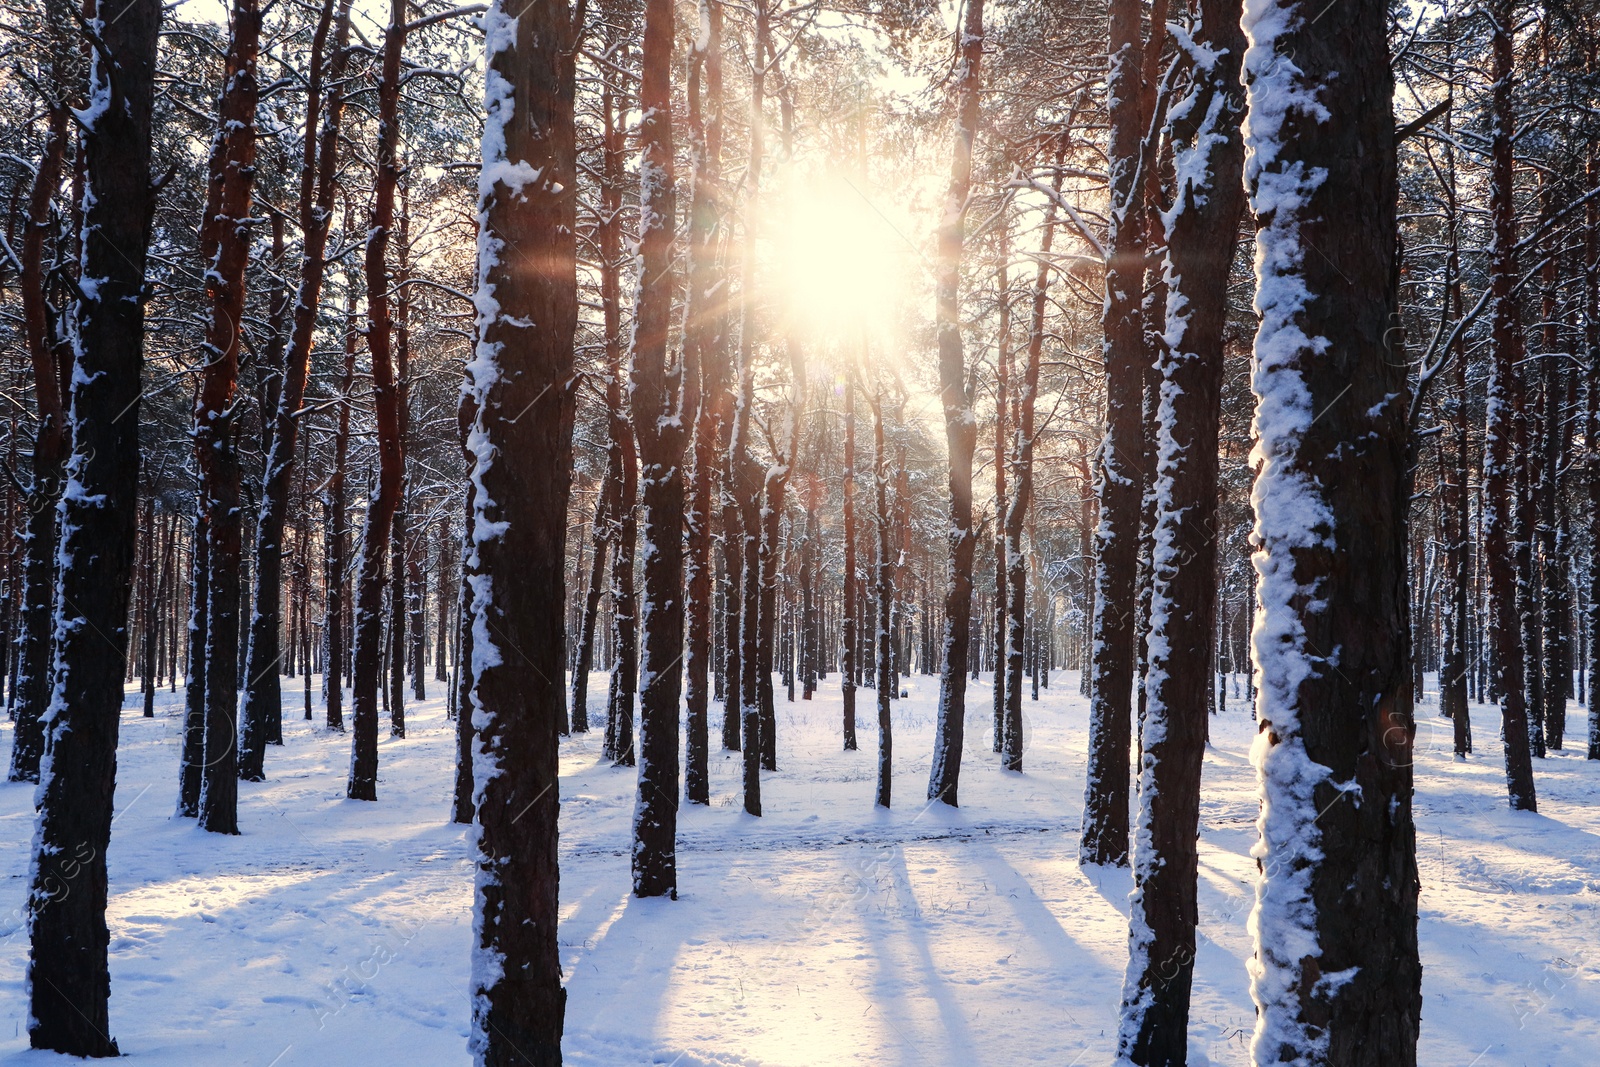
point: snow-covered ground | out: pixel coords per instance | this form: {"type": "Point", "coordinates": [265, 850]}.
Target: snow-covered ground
{"type": "Point", "coordinates": [337, 932]}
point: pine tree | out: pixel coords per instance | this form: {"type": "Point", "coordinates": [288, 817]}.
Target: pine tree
{"type": "Point", "coordinates": [1335, 974]}
{"type": "Point", "coordinates": [1199, 241]}
{"type": "Point", "coordinates": [661, 419]}
{"type": "Point", "coordinates": [522, 447]}
{"type": "Point", "coordinates": [960, 425]}
{"type": "Point", "coordinates": [68, 980]}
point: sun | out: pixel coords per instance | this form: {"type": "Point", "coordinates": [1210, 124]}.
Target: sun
{"type": "Point", "coordinates": [845, 263]}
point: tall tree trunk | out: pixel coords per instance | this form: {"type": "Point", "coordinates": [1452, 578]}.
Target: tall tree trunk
{"type": "Point", "coordinates": [1525, 511]}
{"type": "Point", "coordinates": [318, 173]}
{"type": "Point", "coordinates": [396, 638]}
{"type": "Point", "coordinates": [622, 458]}
{"type": "Point", "coordinates": [883, 595]}
{"type": "Point", "coordinates": [31, 683]}
{"type": "Point", "coordinates": [1002, 386]}
{"type": "Point", "coordinates": [68, 980]}
{"type": "Point", "coordinates": [583, 654]}
{"type": "Point", "coordinates": [1118, 477]}
{"type": "Point", "coordinates": [1335, 975]}
{"type": "Point", "coordinates": [462, 808]}
{"type": "Point", "coordinates": [744, 477]}
{"type": "Point", "coordinates": [769, 558]}
{"type": "Point", "coordinates": [848, 667]}
{"type": "Point", "coordinates": [705, 358]}
{"type": "Point", "coordinates": [1200, 237]}
{"type": "Point", "coordinates": [415, 582]}
{"type": "Point", "coordinates": [960, 424]}
{"type": "Point", "coordinates": [1591, 434]}
{"type": "Point", "coordinates": [444, 573]}
{"type": "Point", "coordinates": [368, 628]}
{"type": "Point", "coordinates": [1021, 500]}
{"type": "Point", "coordinates": [662, 416]}
{"type": "Point", "coordinates": [1505, 404]}
{"type": "Point", "coordinates": [1453, 666]}
{"type": "Point", "coordinates": [225, 249]}
{"type": "Point", "coordinates": [400, 548]}
{"type": "Point", "coordinates": [148, 599]}
{"type": "Point", "coordinates": [522, 442]}
{"type": "Point", "coordinates": [732, 534]}
{"type": "Point", "coordinates": [192, 754]}
{"type": "Point", "coordinates": [1552, 576]}
{"type": "Point", "coordinates": [337, 523]}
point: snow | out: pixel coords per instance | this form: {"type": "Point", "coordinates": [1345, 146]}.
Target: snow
{"type": "Point", "coordinates": [339, 932]}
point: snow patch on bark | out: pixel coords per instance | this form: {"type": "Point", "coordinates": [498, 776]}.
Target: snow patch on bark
{"type": "Point", "coordinates": [1291, 516]}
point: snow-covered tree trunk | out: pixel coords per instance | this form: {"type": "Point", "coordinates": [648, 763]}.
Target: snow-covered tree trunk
{"type": "Point", "coordinates": [1455, 503]}
{"type": "Point", "coordinates": [732, 549]}
{"type": "Point", "coordinates": [882, 599]}
{"type": "Point", "coordinates": [1015, 518]}
{"type": "Point", "coordinates": [1551, 434]}
{"type": "Point", "coordinates": [1201, 228]}
{"type": "Point", "coordinates": [662, 422]}
{"type": "Point", "coordinates": [622, 459]}
{"type": "Point", "coordinates": [1505, 401]}
{"type": "Point", "coordinates": [51, 444]}
{"type": "Point", "coordinates": [337, 521]}
{"type": "Point", "coordinates": [318, 170]}
{"type": "Point", "coordinates": [744, 478]}
{"type": "Point", "coordinates": [1118, 474]}
{"type": "Point", "coordinates": [960, 422]}
{"type": "Point", "coordinates": [68, 980]}
{"type": "Point", "coordinates": [401, 549]}
{"type": "Point", "coordinates": [1002, 452]}
{"type": "Point", "coordinates": [848, 668]}
{"type": "Point", "coordinates": [192, 756]}
{"type": "Point", "coordinates": [368, 609]}
{"type": "Point", "coordinates": [444, 584]}
{"type": "Point", "coordinates": [461, 806]}
{"type": "Point", "coordinates": [583, 654]}
{"type": "Point", "coordinates": [705, 358]}
{"type": "Point", "coordinates": [225, 249]}
{"type": "Point", "coordinates": [1335, 973]}
{"type": "Point", "coordinates": [522, 445]}
{"type": "Point", "coordinates": [769, 561]}
{"type": "Point", "coordinates": [1591, 433]}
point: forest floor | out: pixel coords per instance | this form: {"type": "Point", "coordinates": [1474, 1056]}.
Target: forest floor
{"type": "Point", "coordinates": [337, 932]}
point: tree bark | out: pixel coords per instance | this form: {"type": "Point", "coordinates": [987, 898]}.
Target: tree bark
{"type": "Point", "coordinates": [1021, 499]}
{"type": "Point", "coordinates": [706, 370]}
{"type": "Point", "coordinates": [1591, 435]}
{"type": "Point", "coordinates": [743, 481]}
{"type": "Point", "coordinates": [368, 628]}
{"type": "Point", "coordinates": [622, 457]}
{"type": "Point", "coordinates": [1118, 478]}
{"type": "Point", "coordinates": [960, 422]}
{"type": "Point", "coordinates": [31, 684]}
{"type": "Point", "coordinates": [1505, 407]}
{"type": "Point", "coordinates": [848, 668]}
{"type": "Point", "coordinates": [192, 758]}
{"type": "Point", "coordinates": [1201, 232]}
{"type": "Point", "coordinates": [583, 655]}
{"type": "Point", "coordinates": [883, 594]}
{"type": "Point", "coordinates": [337, 523]}
{"type": "Point", "coordinates": [225, 249]}
{"type": "Point", "coordinates": [318, 172]}
{"type": "Point", "coordinates": [522, 442]}
{"type": "Point", "coordinates": [1002, 421]}
{"type": "Point", "coordinates": [662, 417]}
{"type": "Point", "coordinates": [68, 979]}
{"type": "Point", "coordinates": [462, 806]}
{"type": "Point", "coordinates": [1335, 975]}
